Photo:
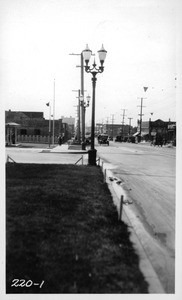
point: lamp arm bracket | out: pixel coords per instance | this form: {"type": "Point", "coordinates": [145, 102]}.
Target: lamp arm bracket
{"type": "Point", "coordinates": [94, 70]}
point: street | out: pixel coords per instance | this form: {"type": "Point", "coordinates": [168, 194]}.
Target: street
{"type": "Point", "coordinates": [148, 177]}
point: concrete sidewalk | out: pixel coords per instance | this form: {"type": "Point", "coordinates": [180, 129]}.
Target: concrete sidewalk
{"type": "Point", "coordinates": [65, 148]}
{"type": "Point", "coordinates": [57, 155]}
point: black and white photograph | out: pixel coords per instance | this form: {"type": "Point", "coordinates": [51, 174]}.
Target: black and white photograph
{"type": "Point", "coordinates": [90, 149]}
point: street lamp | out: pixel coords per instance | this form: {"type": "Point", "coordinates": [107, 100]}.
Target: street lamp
{"type": "Point", "coordinates": [84, 105]}
{"type": "Point", "coordinates": [94, 71]}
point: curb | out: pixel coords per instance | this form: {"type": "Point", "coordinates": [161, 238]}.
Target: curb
{"type": "Point", "coordinates": [136, 229]}
{"type": "Point", "coordinates": [65, 152]}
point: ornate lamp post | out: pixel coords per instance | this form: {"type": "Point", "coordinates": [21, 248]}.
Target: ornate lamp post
{"type": "Point", "coordinates": [94, 71]}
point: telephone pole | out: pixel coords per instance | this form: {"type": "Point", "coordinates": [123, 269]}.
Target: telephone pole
{"type": "Point", "coordinates": [123, 121]}
{"type": "Point", "coordinates": [78, 124]}
{"type": "Point", "coordinates": [130, 125]}
{"type": "Point", "coordinates": [141, 114]}
{"type": "Point", "coordinates": [107, 122]}
{"type": "Point", "coordinates": [82, 116]}
{"type": "Point", "coordinates": [141, 108]}
{"type": "Point", "coordinates": [112, 125]}
{"type": "Point", "coordinates": [81, 91]}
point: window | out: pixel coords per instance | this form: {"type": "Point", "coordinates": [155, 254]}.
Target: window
{"type": "Point", "coordinates": [36, 131]}
{"type": "Point", "coordinates": [23, 131]}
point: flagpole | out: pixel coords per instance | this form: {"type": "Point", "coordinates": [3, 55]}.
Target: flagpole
{"type": "Point", "coordinates": [49, 137]}
{"type": "Point", "coordinates": [53, 113]}
{"type": "Point", "coordinates": [49, 124]}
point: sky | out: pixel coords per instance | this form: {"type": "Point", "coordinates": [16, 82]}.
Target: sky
{"type": "Point", "coordinates": [140, 37]}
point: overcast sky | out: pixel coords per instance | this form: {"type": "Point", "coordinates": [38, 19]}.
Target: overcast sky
{"type": "Point", "coordinates": [37, 37]}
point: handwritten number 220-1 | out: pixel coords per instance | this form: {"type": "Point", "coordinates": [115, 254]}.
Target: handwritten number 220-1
{"type": "Point", "coordinates": [24, 283]}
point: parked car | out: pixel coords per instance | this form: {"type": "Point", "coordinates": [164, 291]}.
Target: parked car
{"type": "Point", "coordinates": [131, 139]}
{"type": "Point", "coordinates": [118, 138]}
{"type": "Point", "coordinates": [87, 138]}
{"type": "Point", "coordinates": [110, 138]}
{"type": "Point", "coordinates": [125, 139]}
{"type": "Point", "coordinates": [103, 139]}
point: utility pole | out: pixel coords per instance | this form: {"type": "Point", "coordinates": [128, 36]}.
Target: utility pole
{"type": "Point", "coordinates": [123, 121]}
{"type": "Point", "coordinates": [82, 94]}
{"type": "Point", "coordinates": [130, 125]}
{"type": "Point", "coordinates": [76, 123]}
{"type": "Point", "coordinates": [112, 124]}
{"type": "Point", "coordinates": [107, 122]}
{"type": "Point", "coordinates": [140, 114]}
{"type": "Point", "coordinates": [102, 125]}
{"type": "Point", "coordinates": [78, 133]}
{"type": "Point", "coordinates": [150, 125]}
{"type": "Point", "coordinates": [82, 121]}
{"type": "Point", "coordinates": [141, 107]}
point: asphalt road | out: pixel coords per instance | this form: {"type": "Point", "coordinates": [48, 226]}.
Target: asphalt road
{"type": "Point", "coordinates": [148, 177]}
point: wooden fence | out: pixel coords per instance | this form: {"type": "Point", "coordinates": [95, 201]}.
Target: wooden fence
{"type": "Point", "coordinates": [35, 139]}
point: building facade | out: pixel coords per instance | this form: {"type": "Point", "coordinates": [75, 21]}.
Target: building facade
{"type": "Point", "coordinates": [158, 131]}
{"type": "Point", "coordinates": [22, 126]}
{"type": "Point", "coordinates": [71, 124]}
{"type": "Point", "coordinates": [114, 129]}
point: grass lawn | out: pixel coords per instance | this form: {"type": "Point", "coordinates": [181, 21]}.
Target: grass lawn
{"type": "Point", "coordinates": [63, 233]}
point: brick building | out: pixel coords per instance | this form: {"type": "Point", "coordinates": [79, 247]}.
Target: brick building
{"type": "Point", "coordinates": [152, 130]}
{"type": "Point", "coordinates": [71, 123]}
{"type": "Point", "coordinates": [32, 126]}
{"type": "Point", "coordinates": [114, 129]}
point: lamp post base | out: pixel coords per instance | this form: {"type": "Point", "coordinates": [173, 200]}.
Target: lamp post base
{"type": "Point", "coordinates": [92, 157]}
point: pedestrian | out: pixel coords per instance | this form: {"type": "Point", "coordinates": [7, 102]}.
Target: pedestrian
{"type": "Point", "coordinates": [161, 142]}
{"type": "Point", "coordinates": [13, 138]}
{"type": "Point", "coordinates": [60, 140]}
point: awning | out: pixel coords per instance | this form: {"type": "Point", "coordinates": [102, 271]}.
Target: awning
{"type": "Point", "coordinates": [136, 133]}
{"type": "Point", "coordinates": [142, 133]}
{"type": "Point", "coordinates": [12, 124]}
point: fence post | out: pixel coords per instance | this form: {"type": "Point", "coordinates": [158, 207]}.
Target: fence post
{"type": "Point", "coordinates": [82, 160]}
{"type": "Point", "coordinates": [121, 208]}
{"type": "Point", "coordinates": [102, 165]}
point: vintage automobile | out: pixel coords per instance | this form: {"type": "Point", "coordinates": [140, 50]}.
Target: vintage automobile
{"type": "Point", "coordinates": [118, 138]}
{"type": "Point", "coordinates": [103, 139]}
{"type": "Point", "coordinates": [131, 139]}
{"type": "Point", "coordinates": [88, 138]}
